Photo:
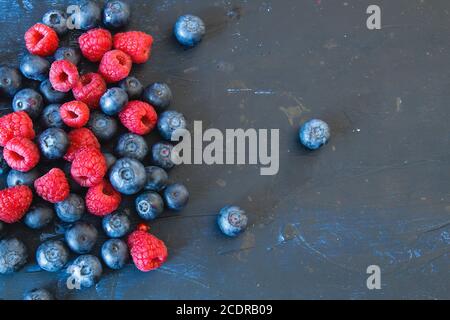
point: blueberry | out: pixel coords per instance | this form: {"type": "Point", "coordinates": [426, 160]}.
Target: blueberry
{"type": "Point", "coordinates": [70, 54]}
{"type": "Point", "coordinates": [3, 165]}
{"type": "Point", "coordinates": [176, 196]}
{"type": "Point", "coordinates": [131, 145]}
{"type": "Point", "coordinates": [57, 20]}
{"type": "Point", "coordinates": [113, 101]}
{"type": "Point", "coordinates": [88, 15]}
{"type": "Point", "coordinates": [30, 101]}
{"type": "Point", "coordinates": [17, 178]}
{"type": "Point", "coordinates": [50, 94]}
{"type": "Point", "coordinates": [70, 210]}
{"type": "Point", "coordinates": [2, 230]}
{"type": "Point", "coordinates": [10, 80]}
{"type": "Point", "coordinates": [158, 95]}
{"type": "Point", "coordinates": [85, 271]}
{"type": "Point", "coordinates": [13, 255]}
{"type": "Point", "coordinates": [39, 216]}
{"type": "Point", "coordinates": [110, 159]}
{"type": "Point", "coordinates": [133, 87]}
{"type": "Point", "coordinates": [53, 143]}
{"type": "Point", "coordinates": [116, 225]}
{"type": "Point", "coordinates": [149, 205]}
{"type": "Point", "coordinates": [116, 14]}
{"type": "Point", "coordinates": [162, 155]}
{"type": "Point", "coordinates": [314, 134]}
{"type": "Point", "coordinates": [232, 221]}
{"type": "Point", "coordinates": [51, 118]}
{"type": "Point", "coordinates": [115, 253]}
{"type": "Point", "coordinates": [169, 122]}
{"type": "Point", "coordinates": [157, 179]}
{"type": "Point", "coordinates": [189, 30]}
{"type": "Point", "coordinates": [103, 126]}
{"type": "Point", "coordinates": [52, 255]}
{"type": "Point", "coordinates": [81, 237]}
{"type": "Point", "coordinates": [34, 67]}
{"type": "Point", "coordinates": [38, 295]}
{"type": "Point", "coordinates": [128, 176]}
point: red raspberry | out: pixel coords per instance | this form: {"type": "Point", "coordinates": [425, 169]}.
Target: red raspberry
{"type": "Point", "coordinates": [134, 43]}
{"type": "Point", "coordinates": [21, 154]}
{"type": "Point", "coordinates": [75, 114]}
{"type": "Point", "coordinates": [41, 40]}
{"type": "Point", "coordinates": [63, 75]}
{"type": "Point", "coordinates": [95, 43]}
{"type": "Point", "coordinates": [53, 187]}
{"type": "Point", "coordinates": [115, 66]}
{"type": "Point", "coordinates": [14, 203]}
{"type": "Point", "coordinates": [16, 124]}
{"type": "Point", "coordinates": [80, 138]}
{"type": "Point", "coordinates": [90, 89]}
{"type": "Point", "coordinates": [88, 167]}
{"type": "Point", "coordinates": [102, 199]}
{"type": "Point", "coordinates": [147, 251]}
{"type": "Point", "coordinates": [139, 117]}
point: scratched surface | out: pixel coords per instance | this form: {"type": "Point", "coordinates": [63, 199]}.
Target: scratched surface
{"type": "Point", "coordinates": [378, 194]}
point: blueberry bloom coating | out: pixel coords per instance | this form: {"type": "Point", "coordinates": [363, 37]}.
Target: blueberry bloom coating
{"type": "Point", "coordinates": [116, 14]}
{"type": "Point", "coordinates": [158, 95]}
{"type": "Point", "coordinates": [162, 155]}
{"type": "Point", "coordinates": [30, 101]}
{"type": "Point", "coordinates": [70, 54]}
{"type": "Point", "coordinates": [131, 145]}
{"type": "Point", "coordinates": [176, 196]}
{"type": "Point", "coordinates": [10, 80]}
{"type": "Point", "coordinates": [314, 134]}
{"type": "Point", "coordinates": [81, 237]}
{"type": "Point", "coordinates": [189, 30]}
{"type": "Point", "coordinates": [113, 101]}
{"type": "Point", "coordinates": [52, 256]}
{"type": "Point", "coordinates": [117, 224]}
{"type": "Point", "coordinates": [13, 255]}
{"type": "Point", "coordinates": [51, 118]}
{"type": "Point", "coordinates": [232, 221]}
{"type": "Point", "coordinates": [57, 20]}
{"type": "Point", "coordinates": [71, 209]}
{"type": "Point", "coordinates": [50, 94]}
{"type": "Point", "coordinates": [85, 271]}
{"type": "Point", "coordinates": [128, 176]}
{"type": "Point", "coordinates": [38, 295]}
{"type": "Point", "coordinates": [53, 143]}
{"type": "Point", "coordinates": [104, 127]}
{"type": "Point", "coordinates": [115, 253]}
{"type": "Point", "coordinates": [39, 216]}
{"type": "Point", "coordinates": [169, 122]}
{"type": "Point", "coordinates": [133, 87]}
{"type": "Point", "coordinates": [88, 17]}
{"type": "Point", "coordinates": [34, 67]}
{"type": "Point", "coordinates": [17, 178]}
{"type": "Point", "coordinates": [157, 179]}
{"type": "Point", "coordinates": [149, 205]}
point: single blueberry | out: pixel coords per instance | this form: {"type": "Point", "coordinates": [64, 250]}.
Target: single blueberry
{"type": "Point", "coordinates": [110, 159]}
{"type": "Point", "coordinates": [232, 221]}
{"type": "Point", "coordinates": [104, 127]}
{"type": "Point", "coordinates": [157, 179]}
{"type": "Point", "coordinates": [52, 255]}
{"type": "Point", "coordinates": [131, 145]}
{"type": "Point", "coordinates": [116, 14]}
{"type": "Point", "coordinates": [13, 255]}
{"type": "Point", "coordinates": [34, 67]}
{"type": "Point", "coordinates": [113, 101]}
{"type": "Point", "coordinates": [115, 253]}
{"type": "Point", "coordinates": [3, 165]}
{"type": "Point", "coordinates": [72, 209]}
{"type": "Point", "coordinates": [30, 101]}
{"type": "Point", "coordinates": [158, 95]}
{"type": "Point", "coordinates": [50, 94]}
{"type": "Point", "coordinates": [162, 155]}
{"type": "Point", "coordinates": [117, 224]}
{"type": "Point", "coordinates": [17, 178]}
{"type": "Point", "coordinates": [149, 205]}
{"type": "Point", "coordinates": [176, 196]}
{"type": "Point", "coordinates": [53, 143]}
{"type": "Point", "coordinates": [133, 87]}
{"type": "Point", "coordinates": [169, 122]}
{"type": "Point", "coordinates": [314, 134]}
{"type": "Point", "coordinates": [57, 20]}
{"type": "Point", "coordinates": [10, 81]}
{"type": "Point", "coordinates": [189, 30]}
{"type": "Point", "coordinates": [38, 295]}
{"type": "Point", "coordinates": [88, 16]}
{"type": "Point", "coordinates": [81, 237]}
{"type": "Point", "coordinates": [128, 176]}
{"type": "Point", "coordinates": [39, 216]}
{"type": "Point", "coordinates": [51, 118]}
{"type": "Point", "coordinates": [85, 271]}
{"type": "Point", "coordinates": [70, 54]}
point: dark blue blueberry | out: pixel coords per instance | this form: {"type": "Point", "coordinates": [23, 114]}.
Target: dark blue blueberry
{"type": "Point", "coordinates": [50, 94]}
{"type": "Point", "coordinates": [57, 20]}
{"type": "Point", "coordinates": [71, 209]}
{"type": "Point", "coordinates": [110, 159]}
{"type": "Point", "coordinates": [133, 87]}
{"type": "Point", "coordinates": [104, 127]}
{"type": "Point", "coordinates": [38, 295]}
{"type": "Point", "coordinates": [51, 118]}
{"type": "Point", "coordinates": [81, 237]}
{"type": "Point", "coordinates": [314, 134]}
{"type": "Point", "coordinates": [189, 30]}
{"type": "Point", "coordinates": [157, 179]}
{"type": "Point", "coordinates": [2, 230]}
{"type": "Point", "coordinates": [176, 196]}
{"type": "Point", "coordinates": [53, 143]}
{"type": "Point", "coordinates": [131, 145]}
{"type": "Point", "coordinates": [162, 155]}
{"type": "Point", "coordinates": [85, 271]}
{"type": "Point", "coordinates": [169, 122]}
{"type": "Point", "coordinates": [158, 95]}
{"type": "Point", "coordinates": [10, 81]}
{"type": "Point", "coordinates": [34, 67]}
{"type": "Point", "coordinates": [87, 16]}
{"type": "Point", "coordinates": [116, 14]}
{"type": "Point", "coordinates": [17, 178]}
{"type": "Point", "coordinates": [128, 176]}
{"type": "Point", "coordinates": [232, 221]}
{"type": "Point", "coordinates": [113, 101]}
{"type": "Point", "coordinates": [3, 165]}
{"type": "Point", "coordinates": [30, 101]}
{"type": "Point", "coordinates": [149, 205]}
{"type": "Point", "coordinates": [70, 54]}
{"type": "Point", "coordinates": [39, 216]}
{"type": "Point", "coordinates": [52, 255]}
{"type": "Point", "coordinates": [13, 255]}
{"type": "Point", "coordinates": [115, 253]}
{"type": "Point", "coordinates": [116, 225]}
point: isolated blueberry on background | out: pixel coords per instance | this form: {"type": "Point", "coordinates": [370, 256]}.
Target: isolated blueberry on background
{"type": "Point", "coordinates": [53, 143]}
{"type": "Point", "coordinates": [133, 146]}
{"type": "Point", "coordinates": [50, 94]}
{"type": "Point", "coordinates": [70, 54]}
{"type": "Point", "coordinates": [86, 271]}
{"type": "Point", "coordinates": [162, 155]}
{"type": "Point", "coordinates": [189, 30]}
{"type": "Point", "coordinates": [149, 205]}
{"type": "Point", "coordinates": [52, 255]}
{"type": "Point", "coordinates": [81, 237]}
{"type": "Point", "coordinates": [157, 179]}
{"type": "Point", "coordinates": [116, 14]}
{"type": "Point", "coordinates": [17, 178]}
{"type": "Point", "coordinates": [71, 209]}
{"type": "Point", "coordinates": [13, 255]}
{"type": "Point", "coordinates": [176, 196]}
{"type": "Point", "coordinates": [232, 221]}
{"type": "Point", "coordinates": [57, 20]}
{"type": "Point", "coordinates": [10, 80]}
{"type": "Point", "coordinates": [314, 134]}
{"type": "Point", "coordinates": [104, 127]}
{"type": "Point", "coordinates": [158, 95]}
{"type": "Point", "coordinates": [38, 295]}
{"type": "Point", "coordinates": [133, 87]}
{"type": "Point", "coordinates": [88, 17]}
{"type": "Point", "coordinates": [128, 176]}
{"type": "Point", "coordinates": [169, 122]}
{"type": "Point", "coordinates": [113, 101]}
{"type": "Point", "coordinates": [34, 67]}
{"type": "Point", "coordinates": [115, 253]}
{"type": "Point", "coordinates": [30, 101]}
{"type": "Point", "coordinates": [51, 118]}
{"type": "Point", "coordinates": [39, 216]}
{"type": "Point", "coordinates": [117, 224]}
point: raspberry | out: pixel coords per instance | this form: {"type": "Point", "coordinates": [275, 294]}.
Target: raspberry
{"type": "Point", "coordinates": [90, 89]}
{"type": "Point", "coordinates": [80, 138]}
{"type": "Point", "coordinates": [21, 154]}
{"type": "Point", "coordinates": [134, 43]}
{"type": "Point", "coordinates": [139, 117]}
{"type": "Point", "coordinates": [14, 203]}
{"type": "Point", "coordinates": [88, 167]}
{"type": "Point", "coordinates": [102, 199]}
{"type": "Point", "coordinates": [115, 66]}
{"type": "Point", "coordinates": [95, 43]}
{"type": "Point", "coordinates": [16, 124]}
{"type": "Point", "coordinates": [147, 251]}
{"type": "Point", "coordinates": [53, 187]}
{"type": "Point", "coordinates": [75, 114]}
{"type": "Point", "coordinates": [41, 40]}
{"type": "Point", "coordinates": [63, 75]}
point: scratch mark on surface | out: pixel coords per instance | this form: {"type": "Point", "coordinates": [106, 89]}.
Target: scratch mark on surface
{"type": "Point", "coordinates": [398, 104]}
